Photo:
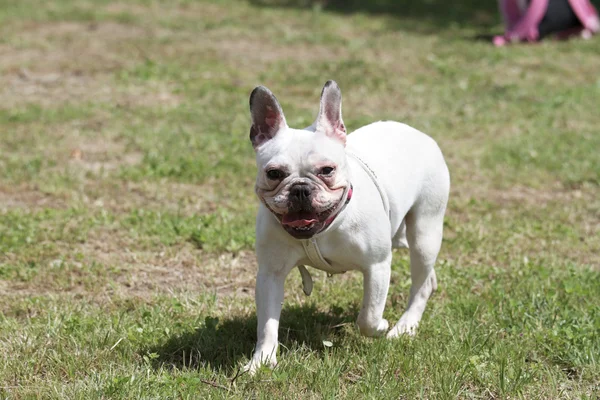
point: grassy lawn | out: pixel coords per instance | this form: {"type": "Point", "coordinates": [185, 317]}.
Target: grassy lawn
{"type": "Point", "coordinates": [127, 204]}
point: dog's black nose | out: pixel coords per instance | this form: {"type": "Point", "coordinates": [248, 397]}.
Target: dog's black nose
{"type": "Point", "coordinates": [300, 193]}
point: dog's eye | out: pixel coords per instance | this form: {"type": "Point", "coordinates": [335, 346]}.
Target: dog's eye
{"type": "Point", "coordinates": [275, 174]}
{"type": "Point", "coordinates": [326, 171]}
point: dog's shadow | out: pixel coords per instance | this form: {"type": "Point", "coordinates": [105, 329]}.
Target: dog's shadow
{"type": "Point", "coordinates": [219, 344]}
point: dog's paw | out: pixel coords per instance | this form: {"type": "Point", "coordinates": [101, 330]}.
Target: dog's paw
{"type": "Point", "coordinates": [250, 368]}
{"type": "Point", "coordinates": [371, 330]}
{"type": "Point", "coordinates": [256, 363]}
{"type": "Point", "coordinates": [383, 327]}
{"type": "Point", "coordinates": [406, 326]}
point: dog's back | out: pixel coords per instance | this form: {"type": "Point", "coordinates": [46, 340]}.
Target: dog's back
{"type": "Point", "coordinates": [408, 164]}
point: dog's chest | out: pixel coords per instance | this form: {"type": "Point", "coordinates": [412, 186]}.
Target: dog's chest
{"type": "Point", "coordinates": [333, 258]}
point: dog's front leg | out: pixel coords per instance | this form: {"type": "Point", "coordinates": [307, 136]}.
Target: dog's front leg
{"type": "Point", "coordinates": [376, 283]}
{"type": "Point", "coordinates": [269, 299]}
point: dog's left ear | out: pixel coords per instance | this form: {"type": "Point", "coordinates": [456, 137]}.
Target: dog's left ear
{"type": "Point", "coordinates": [329, 119]}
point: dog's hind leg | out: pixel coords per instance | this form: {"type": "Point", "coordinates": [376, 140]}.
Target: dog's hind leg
{"type": "Point", "coordinates": [424, 234]}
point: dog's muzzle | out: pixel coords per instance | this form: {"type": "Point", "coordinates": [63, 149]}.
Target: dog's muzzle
{"type": "Point", "coordinates": [302, 221]}
{"type": "Point", "coordinates": [300, 197]}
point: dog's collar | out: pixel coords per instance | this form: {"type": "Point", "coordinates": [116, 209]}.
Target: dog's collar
{"type": "Point", "coordinates": [311, 248]}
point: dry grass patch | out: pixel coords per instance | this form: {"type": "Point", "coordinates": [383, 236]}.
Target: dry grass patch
{"type": "Point", "coordinates": [520, 224]}
{"type": "Point", "coordinates": [49, 47]}
{"type": "Point", "coordinates": [52, 64]}
{"type": "Point", "coordinates": [27, 196]}
{"type": "Point", "coordinates": [257, 53]}
{"type": "Point", "coordinates": [90, 145]}
{"type": "Point", "coordinates": [170, 11]}
{"type": "Point", "coordinates": [185, 269]}
{"type": "Point", "coordinates": [479, 189]}
{"type": "Point", "coordinates": [120, 196]}
{"type": "Point", "coordinates": [59, 88]}
{"type": "Point", "coordinates": [99, 155]}
{"type": "Point", "coordinates": [110, 263]}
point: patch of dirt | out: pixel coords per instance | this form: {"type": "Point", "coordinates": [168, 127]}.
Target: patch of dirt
{"type": "Point", "coordinates": [115, 196]}
{"type": "Point", "coordinates": [262, 52]}
{"type": "Point", "coordinates": [167, 269]}
{"type": "Point", "coordinates": [64, 62]}
{"type": "Point", "coordinates": [130, 272]}
{"type": "Point", "coordinates": [121, 197]}
{"type": "Point", "coordinates": [189, 270]}
{"type": "Point", "coordinates": [91, 162]}
{"type": "Point", "coordinates": [576, 209]}
{"type": "Point", "coordinates": [58, 47]}
{"type": "Point", "coordinates": [169, 11]}
{"type": "Point", "coordinates": [28, 197]}
{"type": "Point", "coordinates": [100, 155]}
{"type": "Point", "coordinates": [57, 88]}
{"type": "Point", "coordinates": [479, 190]}
{"type": "Point", "coordinates": [531, 196]}
{"type": "Point", "coordinates": [128, 8]}
{"type": "Point", "coordinates": [110, 31]}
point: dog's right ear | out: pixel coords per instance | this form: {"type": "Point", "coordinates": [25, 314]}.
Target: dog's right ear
{"type": "Point", "coordinates": [267, 116]}
{"type": "Point", "coordinates": [329, 119]}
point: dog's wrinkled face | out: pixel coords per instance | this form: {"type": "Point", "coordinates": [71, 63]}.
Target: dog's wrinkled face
{"type": "Point", "coordinates": [302, 174]}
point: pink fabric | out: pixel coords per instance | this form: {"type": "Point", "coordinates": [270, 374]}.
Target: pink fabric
{"type": "Point", "coordinates": [524, 26]}
{"type": "Point", "coordinates": [511, 13]}
{"type": "Point", "coordinates": [586, 13]}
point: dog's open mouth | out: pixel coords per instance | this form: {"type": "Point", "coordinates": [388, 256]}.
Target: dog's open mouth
{"type": "Point", "coordinates": [302, 220]}
{"type": "Point", "coordinates": [304, 224]}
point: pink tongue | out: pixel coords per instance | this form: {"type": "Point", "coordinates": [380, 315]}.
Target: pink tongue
{"type": "Point", "coordinates": [298, 220]}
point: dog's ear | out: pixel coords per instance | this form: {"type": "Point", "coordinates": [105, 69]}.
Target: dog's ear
{"type": "Point", "coordinates": [329, 119]}
{"type": "Point", "coordinates": [267, 116]}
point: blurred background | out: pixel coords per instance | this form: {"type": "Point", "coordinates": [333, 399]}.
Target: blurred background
{"type": "Point", "coordinates": [127, 205]}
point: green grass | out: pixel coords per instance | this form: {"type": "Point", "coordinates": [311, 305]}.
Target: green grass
{"type": "Point", "coordinates": [127, 205]}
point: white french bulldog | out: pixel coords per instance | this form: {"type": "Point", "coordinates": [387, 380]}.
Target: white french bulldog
{"type": "Point", "coordinates": [341, 203]}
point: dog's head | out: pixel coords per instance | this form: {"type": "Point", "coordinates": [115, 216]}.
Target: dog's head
{"type": "Point", "coordinates": [302, 173]}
